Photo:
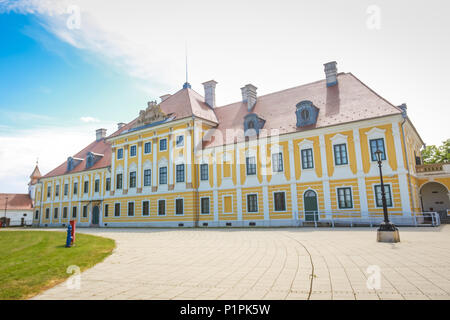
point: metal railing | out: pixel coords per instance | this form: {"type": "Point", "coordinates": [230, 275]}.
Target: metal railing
{"type": "Point", "coordinates": [352, 219]}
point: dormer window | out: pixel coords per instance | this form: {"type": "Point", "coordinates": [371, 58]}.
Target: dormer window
{"type": "Point", "coordinates": [252, 124]}
{"type": "Point", "coordinates": [92, 158]}
{"type": "Point", "coordinates": [306, 113]}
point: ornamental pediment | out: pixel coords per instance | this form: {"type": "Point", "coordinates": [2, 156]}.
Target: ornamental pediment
{"type": "Point", "coordinates": [151, 114]}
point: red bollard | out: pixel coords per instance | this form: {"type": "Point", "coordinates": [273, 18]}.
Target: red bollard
{"type": "Point", "coordinates": [73, 224]}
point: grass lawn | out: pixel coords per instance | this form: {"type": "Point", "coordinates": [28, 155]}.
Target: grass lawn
{"type": "Point", "coordinates": [31, 261]}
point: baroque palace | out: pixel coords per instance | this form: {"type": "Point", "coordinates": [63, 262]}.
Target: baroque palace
{"type": "Point", "coordinates": [304, 154]}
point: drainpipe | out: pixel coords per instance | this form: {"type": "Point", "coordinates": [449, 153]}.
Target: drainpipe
{"type": "Point", "coordinates": [405, 117]}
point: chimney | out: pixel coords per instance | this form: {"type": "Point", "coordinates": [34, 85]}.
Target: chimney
{"type": "Point", "coordinates": [164, 97]}
{"type": "Point", "coordinates": [210, 93]}
{"type": "Point", "coordinates": [331, 73]}
{"type": "Point", "coordinates": [100, 134]}
{"type": "Point", "coordinates": [404, 108]}
{"type": "Point", "coordinates": [249, 96]}
{"type": "Point", "coordinates": [120, 125]}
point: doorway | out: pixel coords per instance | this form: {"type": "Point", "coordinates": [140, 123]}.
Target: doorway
{"type": "Point", "coordinates": [95, 215]}
{"type": "Point", "coordinates": [310, 206]}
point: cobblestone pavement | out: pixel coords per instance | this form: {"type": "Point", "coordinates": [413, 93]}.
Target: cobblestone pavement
{"type": "Point", "coordinates": [266, 264]}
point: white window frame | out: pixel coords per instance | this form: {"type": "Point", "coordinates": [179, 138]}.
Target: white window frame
{"type": "Point", "coordinates": [336, 140]}
{"type": "Point", "coordinates": [128, 208]}
{"type": "Point", "coordinates": [165, 208]}
{"type": "Point", "coordinates": [117, 154]}
{"type": "Point", "coordinates": [142, 208]}
{"type": "Point", "coordinates": [175, 206]}
{"type": "Point", "coordinates": [285, 201]}
{"type": "Point", "coordinates": [150, 147]}
{"type": "Point", "coordinates": [176, 137]}
{"type": "Point", "coordinates": [134, 145]}
{"type": "Point", "coordinates": [257, 203]}
{"type": "Point", "coordinates": [159, 146]}
{"type": "Point", "coordinates": [209, 205]}
{"type": "Point", "coordinates": [375, 195]}
{"type": "Point", "coordinates": [120, 209]}
{"type": "Point", "coordinates": [337, 198]}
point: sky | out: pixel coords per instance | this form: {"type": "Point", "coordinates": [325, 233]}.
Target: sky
{"type": "Point", "coordinates": [70, 67]}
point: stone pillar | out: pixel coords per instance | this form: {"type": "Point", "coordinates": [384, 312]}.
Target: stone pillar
{"type": "Point", "coordinates": [170, 174]}
{"type": "Point", "coordinates": [402, 173]}
{"type": "Point", "coordinates": [139, 170]}
{"type": "Point", "coordinates": [293, 180]}
{"type": "Point", "coordinates": [360, 175]}
{"type": "Point", "coordinates": [189, 161]}
{"type": "Point", "coordinates": [155, 165]}
{"type": "Point", "coordinates": [326, 178]}
{"type": "Point", "coordinates": [238, 182]}
{"type": "Point", "coordinates": [113, 171]}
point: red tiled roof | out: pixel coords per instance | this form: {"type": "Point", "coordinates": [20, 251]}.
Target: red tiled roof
{"type": "Point", "coordinates": [187, 102]}
{"type": "Point", "coordinates": [349, 100]}
{"type": "Point", "coordinates": [16, 201]}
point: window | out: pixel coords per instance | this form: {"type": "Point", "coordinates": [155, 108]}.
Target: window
{"type": "Point", "coordinates": [146, 208]}
{"type": "Point", "coordinates": [133, 151]}
{"type": "Point", "coordinates": [36, 215]}
{"type": "Point", "coordinates": [130, 209]}
{"type": "Point", "coordinates": [66, 189]}
{"type": "Point", "coordinates": [388, 195]}
{"type": "Point", "coordinates": [227, 204]}
{"type": "Point", "coordinates": [55, 213]}
{"type": "Point", "coordinates": [180, 172]}
{"type": "Point", "coordinates": [307, 159]}
{"type": "Point", "coordinates": [108, 184]}
{"type": "Point", "coordinates": [47, 213]}
{"type": "Point", "coordinates": [345, 198]}
{"type": "Point", "coordinates": [147, 147]}
{"type": "Point", "coordinates": [179, 204]}
{"type": "Point", "coordinates": [96, 185]}
{"type": "Point", "coordinates": [119, 181]}
{"type": "Point", "coordinates": [133, 179]}
{"type": "Point", "coordinates": [57, 190]}
{"type": "Point", "coordinates": [106, 210]}
{"type": "Point", "coordinates": [49, 191]}
{"type": "Point", "coordinates": [340, 154]}
{"type": "Point", "coordinates": [163, 175]}
{"type": "Point", "coordinates": [65, 212]}
{"type": "Point", "coordinates": [119, 154]}
{"type": "Point", "coordinates": [74, 212]}
{"type": "Point", "coordinates": [204, 171]}
{"type": "Point", "coordinates": [279, 201]}
{"type": "Point", "coordinates": [147, 177]}
{"type": "Point", "coordinates": [161, 207]}
{"type": "Point", "coordinates": [375, 145]}
{"type": "Point", "coordinates": [163, 145]}
{"type": "Point", "coordinates": [117, 210]}
{"type": "Point", "coordinates": [277, 162]}
{"type": "Point", "coordinates": [252, 203]}
{"type": "Point", "coordinates": [179, 141]}
{"type": "Point", "coordinates": [85, 211]}
{"type": "Point", "coordinates": [75, 187]}
{"type": "Point", "coordinates": [204, 204]}
{"type": "Point", "coordinates": [251, 165]}
{"type": "Point", "coordinates": [86, 186]}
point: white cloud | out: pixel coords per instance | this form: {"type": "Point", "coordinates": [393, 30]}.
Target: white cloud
{"type": "Point", "coordinates": [89, 119]}
{"type": "Point", "coordinates": [52, 145]}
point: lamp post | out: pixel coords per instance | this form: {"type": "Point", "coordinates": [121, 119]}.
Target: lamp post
{"type": "Point", "coordinates": [386, 225]}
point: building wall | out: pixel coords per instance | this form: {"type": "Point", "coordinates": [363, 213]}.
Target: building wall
{"type": "Point", "coordinates": [228, 183]}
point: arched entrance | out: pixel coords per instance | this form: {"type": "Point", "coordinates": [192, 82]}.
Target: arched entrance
{"type": "Point", "coordinates": [435, 198]}
{"type": "Point", "coordinates": [310, 206]}
{"type": "Point", "coordinates": [95, 215]}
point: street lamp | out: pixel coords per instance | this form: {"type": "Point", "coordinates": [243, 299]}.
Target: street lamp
{"type": "Point", "coordinates": [387, 232]}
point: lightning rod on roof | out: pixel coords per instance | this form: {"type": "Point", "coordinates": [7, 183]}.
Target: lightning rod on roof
{"type": "Point", "coordinates": [186, 84]}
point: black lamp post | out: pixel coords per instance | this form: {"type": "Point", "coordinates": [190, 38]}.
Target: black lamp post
{"type": "Point", "coordinates": [386, 225]}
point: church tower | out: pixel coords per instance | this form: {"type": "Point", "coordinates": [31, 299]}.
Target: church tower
{"type": "Point", "coordinates": [34, 177]}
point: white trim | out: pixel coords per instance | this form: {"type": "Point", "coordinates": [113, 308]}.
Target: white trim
{"type": "Point", "coordinates": [257, 203]}
{"type": "Point", "coordinates": [337, 197]}
{"type": "Point", "coordinates": [176, 137]}
{"type": "Point", "coordinates": [117, 153]}
{"type": "Point", "coordinates": [159, 144]}
{"type": "Point", "coordinates": [285, 200]}
{"type": "Point", "coordinates": [142, 208]}
{"type": "Point", "coordinates": [175, 206]}
{"type": "Point", "coordinates": [145, 142]}
{"type": "Point", "coordinates": [209, 205]}
{"type": "Point", "coordinates": [165, 208]}
{"type": "Point", "coordinates": [128, 208]}
{"type": "Point", "coordinates": [133, 145]}
{"type": "Point", "coordinates": [375, 195]}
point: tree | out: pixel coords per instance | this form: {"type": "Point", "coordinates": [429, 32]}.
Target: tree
{"type": "Point", "coordinates": [433, 154]}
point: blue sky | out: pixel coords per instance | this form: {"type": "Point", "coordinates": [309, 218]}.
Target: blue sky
{"type": "Point", "coordinates": [45, 77]}
{"type": "Point", "coordinates": [58, 83]}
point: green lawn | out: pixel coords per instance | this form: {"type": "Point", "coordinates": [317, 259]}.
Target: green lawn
{"type": "Point", "coordinates": [31, 261]}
